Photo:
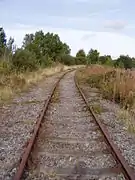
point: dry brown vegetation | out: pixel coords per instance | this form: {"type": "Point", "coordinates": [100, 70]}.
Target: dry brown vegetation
{"type": "Point", "coordinates": [13, 83]}
{"type": "Point", "coordinates": [115, 84]}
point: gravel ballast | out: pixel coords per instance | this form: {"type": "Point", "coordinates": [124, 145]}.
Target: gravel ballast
{"type": "Point", "coordinates": [17, 122]}
{"type": "Point", "coordinates": [69, 145]}
{"type": "Point", "coordinates": [117, 124]}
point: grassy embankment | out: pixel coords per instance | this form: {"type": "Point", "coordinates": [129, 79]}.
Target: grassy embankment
{"type": "Point", "coordinates": [117, 85]}
{"type": "Point", "coordinates": [14, 82]}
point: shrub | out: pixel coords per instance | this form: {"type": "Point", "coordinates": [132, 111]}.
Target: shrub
{"type": "Point", "coordinates": [24, 60]}
{"type": "Point", "coordinates": [67, 60]}
{"type": "Point", "coordinates": [45, 61]}
{"type": "Point", "coordinates": [5, 67]}
{"type": "Point", "coordinates": [80, 60]}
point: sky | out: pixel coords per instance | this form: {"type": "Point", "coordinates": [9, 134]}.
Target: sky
{"type": "Point", "coordinates": [106, 25]}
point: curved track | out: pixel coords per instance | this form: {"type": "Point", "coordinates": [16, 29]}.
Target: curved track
{"type": "Point", "coordinates": [71, 144]}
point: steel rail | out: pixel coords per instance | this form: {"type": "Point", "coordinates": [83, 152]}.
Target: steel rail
{"type": "Point", "coordinates": [125, 168]}
{"type": "Point", "coordinates": [31, 142]}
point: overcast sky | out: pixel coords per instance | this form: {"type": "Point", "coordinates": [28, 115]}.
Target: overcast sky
{"type": "Point", "coordinates": [106, 25]}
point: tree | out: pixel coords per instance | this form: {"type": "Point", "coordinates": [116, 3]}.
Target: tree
{"type": "Point", "coordinates": [9, 49]}
{"type": "Point", "coordinates": [81, 53]}
{"type": "Point", "coordinates": [54, 47]}
{"type": "Point", "coordinates": [124, 61]}
{"type": "Point", "coordinates": [81, 57]}
{"type": "Point", "coordinates": [66, 49]}
{"type": "Point", "coordinates": [133, 62]}
{"type": "Point", "coordinates": [2, 38]}
{"type": "Point", "coordinates": [106, 60]}
{"type": "Point", "coordinates": [10, 44]}
{"type": "Point", "coordinates": [93, 57]}
{"type": "Point", "coordinates": [28, 39]}
{"type": "Point", "coordinates": [2, 41]}
{"type": "Point", "coordinates": [45, 45]}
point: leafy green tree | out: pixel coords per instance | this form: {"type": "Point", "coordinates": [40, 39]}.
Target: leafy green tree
{"type": "Point", "coordinates": [81, 53]}
{"type": "Point", "coordinates": [81, 57]}
{"type": "Point", "coordinates": [106, 60]}
{"type": "Point", "coordinates": [2, 41]}
{"type": "Point", "coordinates": [93, 57]}
{"type": "Point", "coordinates": [34, 43]}
{"type": "Point", "coordinates": [54, 47]}
{"type": "Point", "coordinates": [124, 61]}
{"type": "Point", "coordinates": [121, 65]}
{"type": "Point", "coordinates": [66, 49]}
{"type": "Point", "coordinates": [133, 62]}
{"type": "Point", "coordinates": [10, 43]}
{"type": "Point", "coordinates": [45, 45]}
{"type": "Point", "coordinates": [28, 39]}
{"type": "Point", "coordinates": [9, 49]}
{"type": "Point", "coordinates": [2, 38]}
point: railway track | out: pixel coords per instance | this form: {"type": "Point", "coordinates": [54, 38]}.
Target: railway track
{"type": "Point", "coordinates": [71, 143]}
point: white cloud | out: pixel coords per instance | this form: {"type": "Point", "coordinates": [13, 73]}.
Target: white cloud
{"type": "Point", "coordinates": [115, 25]}
{"type": "Point", "coordinates": [88, 36]}
{"type": "Point", "coordinates": [131, 26]}
{"type": "Point", "coordinates": [113, 10]}
{"type": "Point", "coordinates": [111, 43]}
{"type": "Point", "coordinates": [105, 42]}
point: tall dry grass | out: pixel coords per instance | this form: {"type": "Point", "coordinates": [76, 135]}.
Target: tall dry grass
{"type": "Point", "coordinates": [12, 83]}
{"type": "Point", "coordinates": [85, 73]}
{"type": "Point", "coordinates": [115, 84]}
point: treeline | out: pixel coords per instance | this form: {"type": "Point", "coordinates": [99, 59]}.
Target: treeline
{"type": "Point", "coordinates": [93, 57]}
{"type": "Point", "coordinates": [40, 50]}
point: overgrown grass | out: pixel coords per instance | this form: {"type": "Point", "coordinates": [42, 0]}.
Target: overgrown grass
{"type": "Point", "coordinates": [127, 118]}
{"type": "Point", "coordinates": [12, 82]}
{"type": "Point", "coordinates": [114, 84]}
{"type": "Point", "coordinates": [85, 73]}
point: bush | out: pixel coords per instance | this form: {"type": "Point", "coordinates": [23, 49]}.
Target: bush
{"type": "Point", "coordinates": [80, 60]}
{"type": "Point", "coordinates": [67, 60]}
{"type": "Point", "coordinates": [24, 60]}
{"type": "Point", "coordinates": [45, 61]}
{"type": "Point", "coordinates": [5, 67]}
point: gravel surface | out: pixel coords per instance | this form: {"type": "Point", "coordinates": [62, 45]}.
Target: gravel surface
{"type": "Point", "coordinates": [116, 121]}
{"type": "Point", "coordinates": [70, 145]}
{"type": "Point", "coordinates": [16, 124]}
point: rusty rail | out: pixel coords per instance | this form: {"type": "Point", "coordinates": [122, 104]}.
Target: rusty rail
{"type": "Point", "coordinates": [31, 142]}
{"type": "Point", "coordinates": [125, 168]}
